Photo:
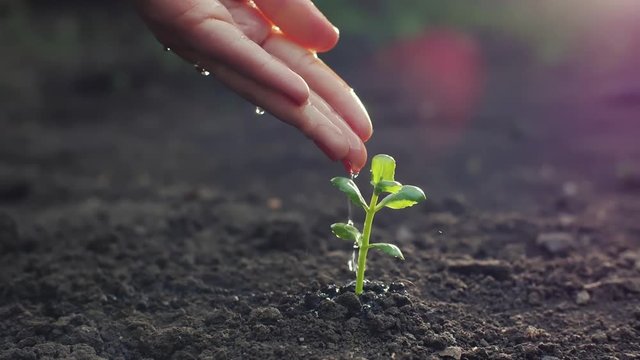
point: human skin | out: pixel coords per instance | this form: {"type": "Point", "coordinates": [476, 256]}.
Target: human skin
{"type": "Point", "coordinates": [265, 50]}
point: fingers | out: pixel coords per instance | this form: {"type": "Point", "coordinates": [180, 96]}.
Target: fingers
{"type": "Point", "coordinates": [357, 156]}
{"type": "Point", "coordinates": [323, 81]}
{"type": "Point", "coordinates": [206, 27]}
{"type": "Point", "coordinates": [314, 119]}
{"type": "Point", "coordinates": [302, 22]}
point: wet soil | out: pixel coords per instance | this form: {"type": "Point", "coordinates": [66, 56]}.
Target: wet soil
{"type": "Point", "coordinates": [155, 222]}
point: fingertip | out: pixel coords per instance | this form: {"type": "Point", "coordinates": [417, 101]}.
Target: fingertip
{"type": "Point", "coordinates": [302, 22]}
{"type": "Point", "coordinates": [356, 159]}
{"type": "Point", "coordinates": [360, 121]}
{"type": "Point", "coordinates": [365, 131]}
{"type": "Point", "coordinates": [318, 37]}
{"type": "Point", "coordinates": [300, 92]}
{"type": "Point", "coordinates": [326, 39]}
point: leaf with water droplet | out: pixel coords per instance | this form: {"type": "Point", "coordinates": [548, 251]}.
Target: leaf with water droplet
{"type": "Point", "coordinates": [346, 232]}
{"type": "Point", "coordinates": [388, 249]}
{"type": "Point", "coordinates": [408, 195]}
{"type": "Point", "coordinates": [383, 167]}
{"type": "Point", "coordinates": [348, 187]}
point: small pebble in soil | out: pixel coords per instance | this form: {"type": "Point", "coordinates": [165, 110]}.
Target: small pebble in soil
{"type": "Point", "coordinates": [582, 297]}
{"type": "Point", "coordinates": [452, 352]}
{"type": "Point", "coordinates": [556, 243]}
{"type": "Point", "coordinates": [274, 203]}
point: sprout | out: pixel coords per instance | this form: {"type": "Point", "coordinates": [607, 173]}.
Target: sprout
{"type": "Point", "coordinates": [399, 196]}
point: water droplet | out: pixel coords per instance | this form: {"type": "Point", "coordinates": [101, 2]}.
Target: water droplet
{"type": "Point", "coordinates": [354, 174]}
{"type": "Point", "coordinates": [167, 49]}
{"type": "Point", "coordinates": [201, 70]}
{"type": "Point", "coordinates": [349, 205]}
{"type": "Point", "coordinates": [353, 262]}
{"type": "Point", "coordinates": [259, 110]}
{"type": "Point", "coordinates": [440, 232]}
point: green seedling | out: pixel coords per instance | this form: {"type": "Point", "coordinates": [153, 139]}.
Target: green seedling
{"type": "Point", "coordinates": [383, 168]}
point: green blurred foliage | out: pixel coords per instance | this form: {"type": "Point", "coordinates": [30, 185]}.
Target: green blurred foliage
{"type": "Point", "coordinates": [47, 43]}
{"type": "Point", "coordinates": [545, 25]}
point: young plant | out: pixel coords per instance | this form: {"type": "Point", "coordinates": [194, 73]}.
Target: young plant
{"type": "Point", "coordinates": [399, 196]}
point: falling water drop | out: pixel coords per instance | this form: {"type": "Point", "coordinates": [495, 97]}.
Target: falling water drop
{"type": "Point", "coordinates": [353, 175]}
{"type": "Point", "coordinates": [259, 110]}
{"type": "Point", "coordinates": [353, 262]}
{"type": "Point", "coordinates": [201, 70]}
{"type": "Point", "coordinates": [349, 212]}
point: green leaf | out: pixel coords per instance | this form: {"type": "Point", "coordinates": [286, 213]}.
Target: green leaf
{"type": "Point", "coordinates": [388, 249]}
{"type": "Point", "coordinates": [348, 187]}
{"type": "Point", "coordinates": [346, 232]}
{"type": "Point", "coordinates": [386, 186]}
{"type": "Point", "coordinates": [408, 195]}
{"type": "Point", "coordinates": [383, 167]}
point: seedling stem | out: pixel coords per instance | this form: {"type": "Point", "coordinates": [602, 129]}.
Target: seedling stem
{"type": "Point", "coordinates": [366, 234]}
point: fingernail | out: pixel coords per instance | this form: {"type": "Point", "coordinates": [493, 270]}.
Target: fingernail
{"type": "Point", "coordinates": [337, 31]}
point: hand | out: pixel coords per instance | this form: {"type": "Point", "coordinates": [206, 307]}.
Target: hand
{"type": "Point", "coordinates": [273, 66]}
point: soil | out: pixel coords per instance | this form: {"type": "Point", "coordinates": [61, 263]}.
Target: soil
{"type": "Point", "coordinates": [156, 223]}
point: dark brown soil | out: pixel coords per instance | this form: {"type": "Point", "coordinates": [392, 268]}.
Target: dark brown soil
{"type": "Point", "coordinates": [158, 223]}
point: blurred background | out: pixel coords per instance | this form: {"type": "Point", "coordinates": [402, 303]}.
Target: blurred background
{"type": "Point", "coordinates": [504, 105]}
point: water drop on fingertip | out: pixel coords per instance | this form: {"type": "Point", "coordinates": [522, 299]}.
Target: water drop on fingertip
{"type": "Point", "coordinates": [259, 110]}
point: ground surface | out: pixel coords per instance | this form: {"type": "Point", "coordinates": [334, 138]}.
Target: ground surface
{"type": "Point", "coordinates": [165, 221]}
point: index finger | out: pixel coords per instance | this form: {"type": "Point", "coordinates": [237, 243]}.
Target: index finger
{"type": "Point", "coordinates": [302, 22]}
